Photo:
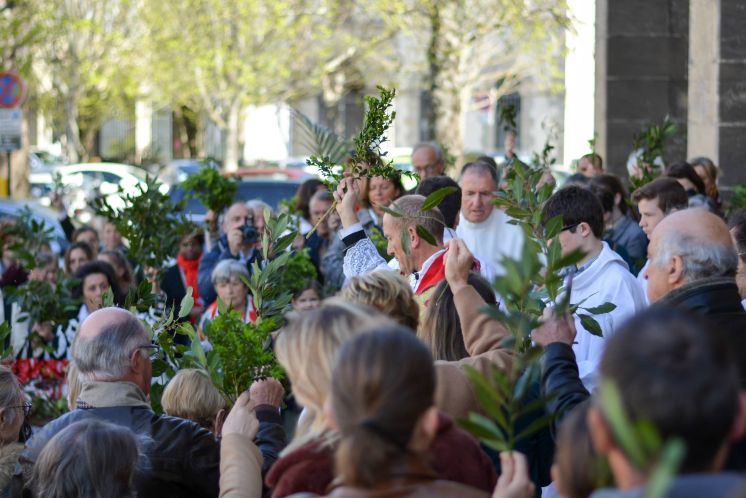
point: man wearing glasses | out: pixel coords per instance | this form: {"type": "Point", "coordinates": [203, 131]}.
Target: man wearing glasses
{"type": "Point", "coordinates": [113, 352]}
{"type": "Point", "coordinates": [427, 160]}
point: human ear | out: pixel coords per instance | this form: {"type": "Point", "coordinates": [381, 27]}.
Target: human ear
{"type": "Point", "coordinates": [414, 237]}
{"type": "Point", "coordinates": [599, 431]}
{"type": "Point", "coordinates": [676, 270]}
{"type": "Point", "coordinates": [217, 425]}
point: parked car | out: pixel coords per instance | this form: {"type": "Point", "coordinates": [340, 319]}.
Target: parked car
{"type": "Point", "coordinates": [83, 182]}
{"type": "Point", "coordinates": [269, 190]}
{"type": "Point", "coordinates": [42, 215]}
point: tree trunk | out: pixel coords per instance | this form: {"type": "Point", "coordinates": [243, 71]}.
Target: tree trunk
{"type": "Point", "coordinates": [433, 73]}
{"type": "Point", "coordinates": [74, 148]}
{"type": "Point", "coordinates": [231, 152]}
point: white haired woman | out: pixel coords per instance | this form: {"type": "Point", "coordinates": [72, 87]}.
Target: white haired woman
{"type": "Point", "coordinates": [228, 278]}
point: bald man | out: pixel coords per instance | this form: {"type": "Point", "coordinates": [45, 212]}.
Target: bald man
{"type": "Point", "coordinates": [112, 351]}
{"type": "Point", "coordinates": [692, 267]}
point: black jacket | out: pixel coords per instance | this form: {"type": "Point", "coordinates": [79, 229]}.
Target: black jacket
{"type": "Point", "coordinates": [560, 378]}
{"type": "Point", "coordinates": [716, 300]}
{"type": "Point", "coordinates": [183, 459]}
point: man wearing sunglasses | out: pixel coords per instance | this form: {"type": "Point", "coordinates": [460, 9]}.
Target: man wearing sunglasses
{"type": "Point", "coordinates": [600, 277]}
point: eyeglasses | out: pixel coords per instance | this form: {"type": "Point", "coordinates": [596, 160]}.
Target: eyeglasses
{"type": "Point", "coordinates": [26, 407]}
{"type": "Point", "coordinates": [570, 227]}
{"type": "Point", "coordinates": [155, 350]}
{"type": "Point", "coordinates": [429, 169]}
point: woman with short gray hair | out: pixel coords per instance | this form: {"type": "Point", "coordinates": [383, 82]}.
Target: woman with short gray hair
{"type": "Point", "coordinates": [229, 279]}
{"type": "Point", "coordinates": [13, 411]}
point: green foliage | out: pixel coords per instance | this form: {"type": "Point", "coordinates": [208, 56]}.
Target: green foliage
{"type": "Point", "coordinates": [298, 271]}
{"type": "Point", "coordinates": [508, 115]}
{"type": "Point", "coordinates": [738, 199]}
{"type": "Point", "coordinates": [212, 189]}
{"type": "Point", "coordinates": [149, 220]}
{"type": "Point", "coordinates": [46, 303]}
{"type": "Point", "coordinates": [650, 144]}
{"type": "Point", "coordinates": [240, 352]}
{"type": "Point", "coordinates": [243, 349]}
{"type": "Point", "coordinates": [27, 237]}
{"type": "Point", "coordinates": [368, 160]}
{"type": "Point", "coordinates": [321, 141]}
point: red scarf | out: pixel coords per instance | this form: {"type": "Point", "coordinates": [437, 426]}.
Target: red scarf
{"type": "Point", "coordinates": [190, 267]}
{"type": "Point", "coordinates": [248, 315]}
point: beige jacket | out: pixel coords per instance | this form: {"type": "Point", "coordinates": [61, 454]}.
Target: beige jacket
{"type": "Point", "coordinates": [240, 467]}
{"type": "Point", "coordinates": [454, 394]}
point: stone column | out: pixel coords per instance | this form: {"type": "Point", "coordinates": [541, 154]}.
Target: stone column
{"type": "Point", "coordinates": [732, 91]}
{"type": "Point", "coordinates": [704, 73]}
{"type": "Point", "coordinates": [641, 74]}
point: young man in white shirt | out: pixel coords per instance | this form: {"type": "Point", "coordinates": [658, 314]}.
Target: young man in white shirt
{"type": "Point", "coordinates": [601, 276]}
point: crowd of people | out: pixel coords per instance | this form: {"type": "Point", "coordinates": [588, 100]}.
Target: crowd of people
{"type": "Point", "coordinates": [378, 349]}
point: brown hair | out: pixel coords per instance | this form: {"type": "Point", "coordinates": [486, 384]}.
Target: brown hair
{"type": "Point", "coordinates": [68, 254]}
{"type": "Point", "coordinates": [441, 328]}
{"type": "Point", "coordinates": [411, 208]}
{"type": "Point", "coordinates": [382, 384]}
{"type": "Point", "coordinates": [581, 470]}
{"type": "Point", "coordinates": [387, 292]}
{"type": "Point", "coordinates": [595, 159]}
{"type": "Point", "coordinates": [670, 194]}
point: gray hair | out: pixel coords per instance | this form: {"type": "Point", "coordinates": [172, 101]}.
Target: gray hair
{"type": "Point", "coordinates": [10, 393]}
{"type": "Point", "coordinates": [437, 149]}
{"type": "Point", "coordinates": [106, 356]}
{"type": "Point", "coordinates": [227, 269]}
{"type": "Point", "coordinates": [701, 259]}
{"type": "Point", "coordinates": [258, 204]}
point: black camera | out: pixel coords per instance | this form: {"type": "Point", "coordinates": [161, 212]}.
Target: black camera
{"type": "Point", "coordinates": [249, 231]}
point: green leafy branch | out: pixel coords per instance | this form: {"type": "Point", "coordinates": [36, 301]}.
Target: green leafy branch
{"type": "Point", "coordinates": [649, 145]}
{"type": "Point", "coordinates": [152, 224]}
{"type": "Point", "coordinates": [368, 160]}
{"type": "Point", "coordinates": [211, 188]}
{"type": "Point", "coordinates": [26, 237]}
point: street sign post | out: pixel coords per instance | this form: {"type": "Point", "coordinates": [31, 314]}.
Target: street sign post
{"type": "Point", "coordinates": [12, 92]}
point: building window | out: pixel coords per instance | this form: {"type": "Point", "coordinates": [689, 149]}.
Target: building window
{"type": "Point", "coordinates": [501, 129]}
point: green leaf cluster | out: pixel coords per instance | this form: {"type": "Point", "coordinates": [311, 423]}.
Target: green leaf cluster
{"type": "Point", "coordinates": [650, 144]}
{"type": "Point", "coordinates": [46, 303]}
{"type": "Point", "coordinates": [368, 160]}
{"type": "Point", "coordinates": [152, 224]}
{"type": "Point", "coordinates": [212, 189]}
{"type": "Point", "coordinates": [26, 237]}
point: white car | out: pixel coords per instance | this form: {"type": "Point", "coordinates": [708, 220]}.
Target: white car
{"type": "Point", "coordinates": [83, 182]}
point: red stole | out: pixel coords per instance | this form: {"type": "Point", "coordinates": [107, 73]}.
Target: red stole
{"type": "Point", "coordinates": [436, 273]}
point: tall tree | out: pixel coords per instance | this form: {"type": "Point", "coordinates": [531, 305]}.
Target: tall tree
{"type": "Point", "coordinates": [89, 56]}
{"type": "Point", "coordinates": [484, 48]}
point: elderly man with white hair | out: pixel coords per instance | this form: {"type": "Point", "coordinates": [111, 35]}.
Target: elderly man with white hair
{"type": "Point", "coordinates": [692, 267]}
{"type": "Point", "coordinates": [112, 351]}
{"type": "Point", "coordinates": [237, 242]}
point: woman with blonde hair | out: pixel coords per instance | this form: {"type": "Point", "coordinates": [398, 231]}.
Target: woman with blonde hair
{"type": "Point", "coordinates": [191, 395]}
{"type": "Point", "coordinates": [386, 292]}
{"type": "Point", "coordinates": [307, 349]}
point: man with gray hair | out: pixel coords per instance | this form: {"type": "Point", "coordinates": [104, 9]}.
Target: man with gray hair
{"type": "Point", "coordinates": [692, 267]}
{"type": "Point", "coordinates": [112, 351]}
{"type": "Point", "coordinates": [427, 160]}
{"type": "Point", "coordinates": [237, 242]}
